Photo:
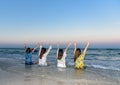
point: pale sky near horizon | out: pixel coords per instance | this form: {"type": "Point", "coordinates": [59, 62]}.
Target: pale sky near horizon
{"type": "Point", "coordinates": [31, 21]}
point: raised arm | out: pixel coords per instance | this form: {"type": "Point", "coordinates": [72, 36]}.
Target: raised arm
{"type": "Point", "coordinates": [75, 47]}
{"type": "Point", "coordinates": [50, 47]}
{"type": "Point", "coordinates": [35, 48]}
{"type": "Point", "coordinates": [58, 48]}
{"type": "Point", "coordinates": [67, 47]}
{"type": "Point", "coordinates": [40, 50]}
{"type": "Point", "coordinates": [84, 52]}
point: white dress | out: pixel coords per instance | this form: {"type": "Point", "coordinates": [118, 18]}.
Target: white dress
{"type": "Point", "coordinates": [61, 63]}
{"type": "Point", "coordinates": [42, 61]}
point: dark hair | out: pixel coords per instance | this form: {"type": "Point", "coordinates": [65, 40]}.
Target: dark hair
{"type": "Point", "coordinates": [43, 50]}
{"type": "Point", "coordinates": [77, 54]}
{"type": "Point", "coordinates": [28, 50]}
{"type": "Point", "coordinates": [60, 53]}
{"type": "Point", "coordinates": [78, 49]}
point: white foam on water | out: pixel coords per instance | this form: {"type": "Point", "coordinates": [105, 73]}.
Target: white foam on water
{"type": "Point", "coordinates": [103, 67]}
{"type": "Point", "coordinates": [70, 64]}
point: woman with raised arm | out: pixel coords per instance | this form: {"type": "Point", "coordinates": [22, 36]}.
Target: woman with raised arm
{"type": "Point", "coordinates": [61, 55]}
{"type": "Point", "coordinates": [28, 55]}
{"type": "Point", "coordinates": [43, 54]}
{"type": "Point", "coordinates": [79, 57]}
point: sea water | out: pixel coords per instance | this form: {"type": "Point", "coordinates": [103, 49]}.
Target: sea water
{"type": "Point", "coordinates": [102, 63]}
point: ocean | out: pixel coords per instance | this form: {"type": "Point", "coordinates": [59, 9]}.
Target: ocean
{"type": "Point", "coordinates": [101, 64]}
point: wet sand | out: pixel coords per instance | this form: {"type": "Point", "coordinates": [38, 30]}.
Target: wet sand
{"type": "Point", "coordinates": [35, 75]}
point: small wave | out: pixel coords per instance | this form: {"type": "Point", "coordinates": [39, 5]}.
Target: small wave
{"type": "Point", "coordinates": [103, 58]}
{"type": "Point", "coordinates": [103, 67]}
{"type": "Point", "coordinates": [5, 59]}
{"type": "Point", "coordinates": [70, 64]}
{"type": "Point", "coordinates": [112, 58]}
{"type": "Point", "coordinates": [112, 49]}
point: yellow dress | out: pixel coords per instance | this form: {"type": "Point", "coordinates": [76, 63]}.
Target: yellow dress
{"type": "Point", "coordinates": [79, 63]}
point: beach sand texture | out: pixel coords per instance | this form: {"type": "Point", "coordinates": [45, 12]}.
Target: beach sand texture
{"type": "Point", "coordinates": [35, 75]}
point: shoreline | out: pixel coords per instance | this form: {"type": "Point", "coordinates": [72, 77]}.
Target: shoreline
{"type": "Point", "coordinates": [44, 75]}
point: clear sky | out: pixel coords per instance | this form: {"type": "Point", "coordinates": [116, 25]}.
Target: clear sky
{"type": "Point", "coordinates": [32, 21]}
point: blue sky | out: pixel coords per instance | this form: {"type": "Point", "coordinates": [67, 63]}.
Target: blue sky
{"type": "Point", "coordinates": [32, 21]}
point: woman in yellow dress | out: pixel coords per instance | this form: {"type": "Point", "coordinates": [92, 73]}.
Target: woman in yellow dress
{"type": "Point", "coordinates": [79, 56]}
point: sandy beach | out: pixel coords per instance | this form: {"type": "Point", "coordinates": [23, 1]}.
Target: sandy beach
{"type": "Point", "coordinates": [35, 75]}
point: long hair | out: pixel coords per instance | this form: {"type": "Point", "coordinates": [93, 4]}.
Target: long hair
{"type": "Point", "coordinates": [28, 50]}
{"type": "Point", "coordinates": [77, 54]}
{"type": "Point", "coordinates": [60, 54]}
{"type": "Point", "coordinates": [43, 50]}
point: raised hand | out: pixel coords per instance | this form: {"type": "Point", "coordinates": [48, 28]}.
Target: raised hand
{"type": "Point", "coordinates": [75, 44]}
{"type": "Point", "coordinates": [86, 48]}
{"type": "Point", "coordinates": [68, 46]}
{"type": "Point", "coordinates": [75, 47]}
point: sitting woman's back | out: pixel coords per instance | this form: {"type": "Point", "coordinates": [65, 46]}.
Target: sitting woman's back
{"type": "Point", "coordinates": [61, 55]}
{"type": "Point", "coordinates": [42, 55]}
{"type": "Point", "coordinates": [61, 58]}
{"type": "Point", "coordinates": [79, 57]}
{"type": "Point", "coordinates": [28, 57]}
